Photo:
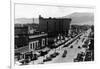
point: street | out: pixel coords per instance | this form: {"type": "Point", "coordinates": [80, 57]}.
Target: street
{"type": "Point", "coordinates": [71, 52]}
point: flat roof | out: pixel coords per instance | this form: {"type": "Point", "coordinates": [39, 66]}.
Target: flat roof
{"type": "Point", "coordinates": [22, 50]}
{"type": "Point", "coordinates": [36, 36]}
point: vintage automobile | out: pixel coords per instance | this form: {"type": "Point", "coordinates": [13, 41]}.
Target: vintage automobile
{"type": "Point", "coordinates": [54, 55]}
{"type": "Point", "coordinates": [79, 47]}
{"type": "Point", "coordinates": [71, 46]}
{"type": "Point", "coordinates": [24, 61]}
{"type": "Point", "coordinates": [47, 59]}
{"type": "Point", "coordinates": [64, 54]}
{"type": "Point", "coordinates": [79, 57]}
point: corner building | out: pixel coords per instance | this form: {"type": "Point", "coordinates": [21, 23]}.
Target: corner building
{"type": "Point", "coordinates": [54, 26]}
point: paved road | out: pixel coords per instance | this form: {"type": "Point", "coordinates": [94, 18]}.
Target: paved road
{"type": "Point", "coordinates": [71, 52]}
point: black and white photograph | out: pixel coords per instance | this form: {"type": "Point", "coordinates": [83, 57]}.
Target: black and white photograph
{"type": "Point", "coordinates": [46, 34]}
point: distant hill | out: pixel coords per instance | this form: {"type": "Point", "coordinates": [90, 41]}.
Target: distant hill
{"type": "Point", "coordinates": [81, 18]}
{"type": "Point", "coordinates": [26, 20]}
{"type": "Point", "coordinates": [77, 18]}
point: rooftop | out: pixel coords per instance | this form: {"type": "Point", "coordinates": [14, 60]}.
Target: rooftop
{"type": "Point", "coordinates": [36, 36]}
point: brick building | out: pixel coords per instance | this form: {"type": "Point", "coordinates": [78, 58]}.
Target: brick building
{"type": "Point", "coordinates": [54, 26]}
{"type": "Point", "coordinates": [27, 41]}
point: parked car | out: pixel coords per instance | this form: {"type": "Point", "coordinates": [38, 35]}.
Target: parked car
{"type": "Point", "coordinates": [79, 57]}
{"type": "Point", "coordinates": [35, 57]}
{"type": "Point", "coordinates": [47, 59]}
{"type": "Point", "coordinates": [79, 47]}
{"type": "Point", "coordinates": [88, 56]}
{"type": "Point", "coordinates": [43, 53]}
{"type": "Point", "coordinates": [24, 61]}
{"type": "Point", "coordinates": [71, 46]}
{"type": "Point", "coordinates": [54, 55]}
{"type": "Point", "coordinates": [64, 54]}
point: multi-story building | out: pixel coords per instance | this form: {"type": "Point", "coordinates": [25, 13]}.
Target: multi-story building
{"type": "Point", "coordinates": [54, 26]}
{"type": "Point", "coordinates": [27, 41]}
{"type": "Point", "coordinates": [21, 35]}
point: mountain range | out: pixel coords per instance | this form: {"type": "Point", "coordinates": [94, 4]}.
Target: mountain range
{"type": "Point", "coordinates": [81, 18]}
{"type": "Point", "coordinates": [77, 18]}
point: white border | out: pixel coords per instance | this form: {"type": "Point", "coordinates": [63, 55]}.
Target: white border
{"type": "Point", "coordinates": [12, 5]}
{"type": "Point", "coordinates": [12, 35]}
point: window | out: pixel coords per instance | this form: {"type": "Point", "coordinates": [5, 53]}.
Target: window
{"type": "Point", "coordinates": [43, 42]}
{"type": "Point", "coordinates": [33, 46]}
{"type": "Point", "coordinates": [30, 45]}
{"type": "Point", "coordinates": [36, 44]}
{"type": "Point", "coordinates": [46, 41]}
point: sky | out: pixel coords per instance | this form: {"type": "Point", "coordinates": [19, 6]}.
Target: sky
{"type": "Point", "coordinates": [33, 11]}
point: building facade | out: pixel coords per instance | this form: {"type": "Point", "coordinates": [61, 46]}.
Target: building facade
{"type": "Point", "coordinates": [28, 41]}
{"type": "Point", "coordinates": [21, 35]}
{"type": "Point", "coordinates": [54, 26]}
{"type": "Point", "coordinates": [37, 42]}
